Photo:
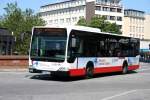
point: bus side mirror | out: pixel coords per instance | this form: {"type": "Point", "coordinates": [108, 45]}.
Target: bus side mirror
{"type": "Point", "coordinates": [73, 42]}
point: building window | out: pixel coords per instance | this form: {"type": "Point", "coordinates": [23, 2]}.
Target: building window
{"type": "Point", "coordinates": [98, 8]}
{"type": "Point", "coordinates": [139, 29]}
{"type": "Point", "coordinates": [74, 19]}
{"type": "Point", "coordinates": [50, 21]}
{"type": "Point", "coordinates": [133, 28]}
{"type": "Point", "coordinates": [56, 21]}
{"type": "Point", "coordinates": [130, 28]}
{"type": "Point", "coordinates": [119, 10]}
{"type": "Point", "coordinates": [112, 9]}
{"type": "Point", "coordinates": [136, 29]}
{"type": "Point", "coordinates": [105, 9]}
{"type": "Point", "coordinates": [142, 29]}
{"type": "Point", "coordinates": [119, 18]}
{"type": "Point", "coordinates": [61, 20]}
{"type": "Point", "coordinates": [142, 22]}
{"type": "Point", "coordinates": [112, 17]}
{"type": "Point", "coordinates": [68, 20]}
{"type": "Point", "coordinates": [139, 35]}
{"type": "Point", "coordinates": [120, 26]}
{"type": "Point", "coordinates": [134, 20]}
{"type": "Point", "coordinates": [142, 36]}
{"type": "Point", "coordinates": [131, 20]}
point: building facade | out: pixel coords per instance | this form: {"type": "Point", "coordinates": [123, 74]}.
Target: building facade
{"type": "Point", "coordinates": [134, 23]}
{"type": "Point", "coordinates": [63, 13]}
{"type": "Point", "coordinates": [6, 42]}
{"type": "Point", "coordinates": [69, 12]}
{"type": "Point", "coordinates": [145, 43]}
{"type": "Point", "coordinates": [147, 27]}
{"type": "Point", "coordinates": [111, 9]}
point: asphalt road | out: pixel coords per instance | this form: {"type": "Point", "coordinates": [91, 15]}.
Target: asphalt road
{"type": "Point", "coordinates": [26, 86]}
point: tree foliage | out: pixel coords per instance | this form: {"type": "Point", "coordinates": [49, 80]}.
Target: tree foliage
{"type": "Point", "coordinates": [20, 23]}
{"type": "Point", "coordinates": [82, 22]}
{"type": "Point", "coordinates": [101, 23]}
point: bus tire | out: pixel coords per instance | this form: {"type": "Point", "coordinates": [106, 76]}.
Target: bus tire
{"type": "Point", "coordinates": [89, 70]}
{"type": "Point", "coordinates": [125, 68]}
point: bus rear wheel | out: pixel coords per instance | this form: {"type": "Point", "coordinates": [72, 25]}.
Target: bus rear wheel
{"type": "Point", "coordinates": [89, 72]}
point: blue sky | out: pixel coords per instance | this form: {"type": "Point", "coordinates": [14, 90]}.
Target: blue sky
{"type": "Point", "coordinates": [143, 5]}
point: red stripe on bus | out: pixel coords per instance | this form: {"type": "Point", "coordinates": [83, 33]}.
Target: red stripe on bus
{"type": "Point", "coordinates": [80, 72]}
{"type": "Point", "coordinates": [77, 72]}
{"type": "Point", "coordinates": [107, 69]}
{"type": "Point", "coordinates": [133, 67]}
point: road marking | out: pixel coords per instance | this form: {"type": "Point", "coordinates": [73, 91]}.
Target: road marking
{"type": "Point", "coordinates": [118, 95]}
{"type": "Point", "coordinates": [124, 93]}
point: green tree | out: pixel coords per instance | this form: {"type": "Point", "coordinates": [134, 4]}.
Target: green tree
{"type": "Point", "coordinates": [112, 28]}
{"type": "Point", "coordinates": [101, 23]}
{"type": "Point", "coordinates": [97, 22]}
{"type": "Point", "coordinates": [20, 23]}
{"type": "Point", "coordinates": [82, 22]}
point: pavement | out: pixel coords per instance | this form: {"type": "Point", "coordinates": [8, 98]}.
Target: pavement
{"type": "Point", "coordinates": [17, 69]}
{"type": "Point", "coordinates": [22, 85]}
{"type": "Point", "coordinates": [14, 70]}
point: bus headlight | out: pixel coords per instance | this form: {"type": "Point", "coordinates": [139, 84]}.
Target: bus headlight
{"type": "Point", "coordinates": [63, 69]}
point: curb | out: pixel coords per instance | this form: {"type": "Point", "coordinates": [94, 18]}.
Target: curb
{"type": "Point", "coordinates": [13, 70]}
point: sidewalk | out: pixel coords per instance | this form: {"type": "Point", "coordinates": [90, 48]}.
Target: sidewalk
{"type": "Point", "coordinates": [13, 68]}
{"type": "Point", "coordinates": [18, 69]}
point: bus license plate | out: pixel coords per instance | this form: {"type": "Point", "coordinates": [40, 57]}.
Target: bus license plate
{"type": "Point", "coordinates": [46, 72]}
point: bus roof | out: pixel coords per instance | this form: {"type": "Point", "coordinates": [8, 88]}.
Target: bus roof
{"type": "Point", "coordinates": [82, 28]}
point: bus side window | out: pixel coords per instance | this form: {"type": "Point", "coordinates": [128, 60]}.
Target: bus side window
{"type": "Point", "coordinates": [80, 49]}
{"type": "Point", "coordinates": [90, 47]}
{"type": "Point", "coordinates": [101, 51]}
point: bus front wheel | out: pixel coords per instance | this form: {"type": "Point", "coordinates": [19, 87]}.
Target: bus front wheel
{"type": "Point", "coordinates": [125, 68]}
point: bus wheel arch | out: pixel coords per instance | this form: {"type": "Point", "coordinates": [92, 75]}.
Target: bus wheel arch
{"type": "Point", "coordinates": [89, 70]}
{"type": "Point", "coordinates": [125, 67]}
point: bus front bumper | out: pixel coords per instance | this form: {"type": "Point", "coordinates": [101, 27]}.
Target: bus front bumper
{"type": "Point", "coordinates": [32, 70]}
{"type": "Point", "coordinates": [53, 73]}
{"type": "Point", "coordinates": [71, 73]}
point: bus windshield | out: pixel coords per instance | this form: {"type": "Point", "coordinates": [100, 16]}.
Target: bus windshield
{"type": "Point", "coordinates": [48, 44]}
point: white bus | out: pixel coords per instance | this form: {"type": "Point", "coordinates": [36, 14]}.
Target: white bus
{"type": "Point", "coordinates": [78, 50]}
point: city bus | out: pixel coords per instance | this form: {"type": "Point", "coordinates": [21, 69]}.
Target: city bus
{"type": "Point", "coordinates": [81, 51]}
